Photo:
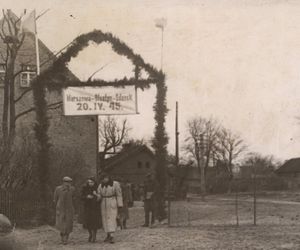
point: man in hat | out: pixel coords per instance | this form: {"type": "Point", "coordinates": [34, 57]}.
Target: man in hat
{"type": "Point", "coordinates": [63, 199]}
{"type": "Point", "coordinates": [150, 190]}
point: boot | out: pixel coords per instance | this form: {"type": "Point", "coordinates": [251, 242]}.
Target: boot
{"type": "Point", "coordinates": [107, 238]}
{"type": "Point", "coordinates": [94, 233]}
{"type": "Point", "coordinates": [62, 238]}
{"type": "Point", "coordinates": [90, 236]}
{"type": "Point", "coordinates": [65, 239]}
{"type": "Point", "coordinates": [111, 240]}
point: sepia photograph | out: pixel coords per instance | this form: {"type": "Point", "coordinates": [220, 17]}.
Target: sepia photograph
{"type": "Point", "coordinates": [149, 124]}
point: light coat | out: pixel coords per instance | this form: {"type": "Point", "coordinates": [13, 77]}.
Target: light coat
{"type": "Point", "coordinates": [111, 199]}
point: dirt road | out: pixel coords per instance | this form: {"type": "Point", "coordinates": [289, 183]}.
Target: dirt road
{"type": "Point", "coordinates": [212, 226]}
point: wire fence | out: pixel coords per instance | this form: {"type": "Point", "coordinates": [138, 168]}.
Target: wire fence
{"type": "Point", "coordinates": [19, 207]}
{"type": "Point", "coordinates": [237, 209]}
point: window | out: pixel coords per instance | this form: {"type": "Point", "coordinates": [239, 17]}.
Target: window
{"type": "Point", "coordinates": [147, 164]}
{"type": "Point", "coordinates": [139, 164]}
{"type": "Point", "coordinates": [27, 74]}
{"type": "Point", "coordinates": [2, 75]}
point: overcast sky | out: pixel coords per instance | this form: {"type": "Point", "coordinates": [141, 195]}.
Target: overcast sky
{"type": "Point", "coordinates": [238, 61]}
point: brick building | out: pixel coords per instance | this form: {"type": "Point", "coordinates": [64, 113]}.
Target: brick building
{"type": "Point", "coordinates": [71, 134]}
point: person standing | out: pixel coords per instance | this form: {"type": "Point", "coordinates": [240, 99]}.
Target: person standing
{"type": "Point", "coordinates": [130, 193]}
{"type": "Point", "coordinates": [150, 191]}
{"type": "Point", "coordinates": [110, 193]}
{"type": "Point", "coordinates": [91, 209]}
{"type": "Point", "coordinates": [63, 200]}
{"type": "Point", "coordinates": [124, 211]}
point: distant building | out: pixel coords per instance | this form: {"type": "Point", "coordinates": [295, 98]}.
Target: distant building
{"type": "Point", "coordinates": [290, 172]}
{"type": "Point", "coordinates": [133, 163]}
{"type": "Point", "coordinates": [190, 177]}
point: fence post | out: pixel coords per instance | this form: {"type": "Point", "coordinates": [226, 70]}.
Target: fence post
{"type": "Point", "coordinates": [169, 201]}
{"type": "Point", "coordinates": [236, 204]}
{"type": "Point", "coordinates": [254, 197]}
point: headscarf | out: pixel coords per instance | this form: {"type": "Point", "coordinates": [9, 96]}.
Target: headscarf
{"type": "Point", "coordinates": [110, 181]}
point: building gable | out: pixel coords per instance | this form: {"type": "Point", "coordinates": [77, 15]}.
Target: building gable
{"type": "Point", "coordinates": [290, 167]}
{"type": "Point", "coordinates": [132, 164]}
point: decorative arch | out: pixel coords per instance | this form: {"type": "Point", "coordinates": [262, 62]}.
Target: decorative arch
{"type": "Point", "coordinates": [55, 78]}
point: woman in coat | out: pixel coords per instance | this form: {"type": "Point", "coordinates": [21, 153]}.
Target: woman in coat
{"type": "Point", "coordinates": [63, 199]}
{"type": "Point", "coordinates": [110, 193]}
{"type": "Point", "coordinates": [91, 209]}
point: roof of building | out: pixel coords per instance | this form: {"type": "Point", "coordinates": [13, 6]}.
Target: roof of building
{"type": "Point", "coordinates": [126, 153]}
{"type": "Point", "coordinates": [44, 64]}
{"type": "Point", "coordinates": [290, 166]}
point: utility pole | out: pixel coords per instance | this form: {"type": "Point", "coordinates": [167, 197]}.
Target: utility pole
{"type": "Point", "coordinates": [176, 138]}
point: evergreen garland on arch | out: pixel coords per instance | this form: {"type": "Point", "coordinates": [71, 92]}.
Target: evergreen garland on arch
{"type": "Point", "coordinates": [56, 78]}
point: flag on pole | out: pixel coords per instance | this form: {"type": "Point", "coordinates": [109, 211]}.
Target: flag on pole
{"type": "Point", "coordinates": [160, 23]}
{"type": "Point", "coordinates": [29, 25]}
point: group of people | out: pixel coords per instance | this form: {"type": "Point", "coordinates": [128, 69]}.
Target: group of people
{"type": "Point", "coordinates": [105, 205]}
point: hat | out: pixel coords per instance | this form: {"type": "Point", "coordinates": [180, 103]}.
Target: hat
{"type": "Point", "coordinates": [92, 179]}
{"type": "Point", "coordinates": [67, 179]}
{"type": "Point", "coordinates": [104, 174]}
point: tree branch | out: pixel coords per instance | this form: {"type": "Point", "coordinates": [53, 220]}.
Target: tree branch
{"type": "Point", "coordinates": [24, 93]}
{"type": "Point", "coordinates": [98, 70]}
{"type": "Point", "coordinates": [51, 106]}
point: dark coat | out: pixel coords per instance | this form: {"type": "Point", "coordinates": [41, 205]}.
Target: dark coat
{"type": "Point", "coordinates": [63, 199]}
{"type": "Point", "coordinates": [91, 208]}
{"type": "Point", "coordinates": [151, 188]}
{"type": "Point", "coordinates": [126, 195]}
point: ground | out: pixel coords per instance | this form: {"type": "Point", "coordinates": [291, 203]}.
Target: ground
{"type": "Point", "coordinates": [194, 225]}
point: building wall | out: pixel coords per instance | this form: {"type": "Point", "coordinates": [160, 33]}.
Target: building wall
{"type": "Point", "coordinates": [135, 168]}
{"type": "Point", "coordinates": [76, 133]}
{"type": "Point", "coordinates": [292, 180]}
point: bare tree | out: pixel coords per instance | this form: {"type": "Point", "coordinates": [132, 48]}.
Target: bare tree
{"type": "Point", "coordinates": [112, 134]}
{"type": "Point", "coordinates": [212, 129]}
{"type": "Point", "coordinates": [260, 164]}
{"type": "Point", "coordinates": [12, 38]}
{"type": "Point", "coordinates": [202, 136]}
{"type": "Point", "coordinates": [19, 172]}
{"type": "Point", "coordinates": [228, 149]}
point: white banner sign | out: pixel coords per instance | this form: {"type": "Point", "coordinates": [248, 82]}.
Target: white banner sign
{"type": "Point", "coordinates": [106, 100]}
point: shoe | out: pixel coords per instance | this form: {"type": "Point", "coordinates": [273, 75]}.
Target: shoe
{"type": "Point", "coordinates": [111, 240]}
{"type": "Point", "coordinates": [107, 239]}
{"type": "Point", "coordinates": [145, 225]}
{"type": "Point", "coordinates": [93, 240]}
{"type": "Point", "coordinates": [65, 240]}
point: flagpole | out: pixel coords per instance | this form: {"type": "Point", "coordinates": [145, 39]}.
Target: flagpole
{"type": "Point", "coordinates": [37, 52]}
